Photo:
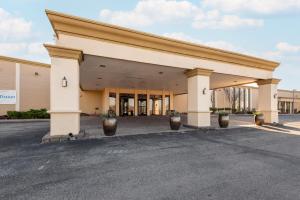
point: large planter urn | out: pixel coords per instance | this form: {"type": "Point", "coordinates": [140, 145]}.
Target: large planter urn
{"type": "Point", "coordinates": [223, 120]}
{"type": "Point", "coordinates": [175, 120]}
{"type": "Point", "coordinates": [110, 124]}
{"type": "Point", "coordinates": [259, 119]}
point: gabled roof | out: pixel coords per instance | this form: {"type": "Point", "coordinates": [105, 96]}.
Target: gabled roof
{"type": "Point", "coordinates": [76, 26]}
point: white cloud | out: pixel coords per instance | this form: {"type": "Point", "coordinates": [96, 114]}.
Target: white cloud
{"type": "Point", "coordinates": [214, 20]}
{"type": "Point", "coordinates": [12, 27]}
{"type": "Point", "coordinates": [286, 47]}
{"type": "Point", "coordinates": [36, 48]}
{"type": "Point", "coordinates": [182, 36]}
{"type": "Point", "coordinates": [258, 6]}
{"type": "Point", "coordinates": [284, 51]}
{"type": "Point", "coordinates": [9, 48]}
{"type": "Point", "coordinates": [147, 12]}
{"type": "Point", "coordinates": [221, 45]}
{"type": "Point", "coordinates": [23, 49]}
{"type": "Point", "coordinates": [216, 44]}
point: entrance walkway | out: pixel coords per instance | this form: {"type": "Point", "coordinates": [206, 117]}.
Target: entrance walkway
{"type": "Point", "coordinates": [152, 124]}
{"type": "Point", "coordinates": [129, 125]}
{"type": "Point", "coordinates": [158, 124]}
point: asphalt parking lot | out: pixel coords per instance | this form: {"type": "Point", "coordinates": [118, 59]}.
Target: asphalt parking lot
{"type": "Point", "coordinates": [242, 163]}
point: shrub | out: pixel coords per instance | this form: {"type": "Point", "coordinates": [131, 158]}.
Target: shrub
{"type": "Point", "coordinates": [110, 114]}
{"type": "Point", "coordinates": [31, 114]}
{"type": "Point", "coordinates": [174, 113]}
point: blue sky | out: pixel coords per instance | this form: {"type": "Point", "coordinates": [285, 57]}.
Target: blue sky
{"type": "Point", "coordinates": [266, 28]}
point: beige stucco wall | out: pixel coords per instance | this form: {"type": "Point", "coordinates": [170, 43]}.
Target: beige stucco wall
{"type": "Point", "coordinates": [34, 89]}
{"type": "Point", "coordinates": [91, 102]}
{"type": "Point", "coordinates": [180, 103]}
{"type": "Point", "coordinates": [254, 98]}
{"type": "Point", "coordinates": [125, 52]}
{"type": "Point", "coordinates": [7, 82]}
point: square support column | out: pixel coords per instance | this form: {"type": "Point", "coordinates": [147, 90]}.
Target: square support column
{"type": "Point", "coordinates": [148, 103]}
{"type": "Point", "coordinates": [64, 90]}
{"type": "Point", "coordinates": [117, 102]}
{"type": "Point", "coordinates": [198, 97]}
{"type": "Point", "coordinates": [135, 103]}
{"type": "Point", "coordinates": [164, 110]}
{"type": "Point", "coordinates": [268, 99]}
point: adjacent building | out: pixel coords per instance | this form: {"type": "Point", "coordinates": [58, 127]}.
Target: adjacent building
{"type": "Point", "coordinates": [24, 85]}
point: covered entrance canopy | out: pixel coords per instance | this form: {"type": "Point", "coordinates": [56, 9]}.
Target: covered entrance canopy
{"type": "Point", "coordinates": [98, 72]}
{"type": "Point", "coordinates": [98, 56]}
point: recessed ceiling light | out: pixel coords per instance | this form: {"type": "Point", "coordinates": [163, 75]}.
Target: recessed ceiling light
{"type": "Point", "coordinates": [103, 66]}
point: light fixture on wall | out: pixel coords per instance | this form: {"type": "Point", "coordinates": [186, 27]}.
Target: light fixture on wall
{"type": "Point", "coordinates": [275, 95]}
{"type": "Point", "coordinates": [204, 91]}
{"type": "Point", "coordinates": [64, 82]}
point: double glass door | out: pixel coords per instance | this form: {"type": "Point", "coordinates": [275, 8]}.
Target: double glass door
{"type": "Point", "coordinates": [126, 104]}
{"type": "Point", "coordinates": [142, 104]}
{"type": "Point", "coordinates": [155, 104]}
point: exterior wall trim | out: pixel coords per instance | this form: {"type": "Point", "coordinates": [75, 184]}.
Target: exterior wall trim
{"type": "Point", "coordinates": [64, 52]}
{"type": "Point", "coordinates": [76, 26]}
{"type": "Point", "coordinates": [18, 86]}
{"type": "Point", "coordinates": [268, 81]}
{"type": "Point", "coordinates": [22, 61]}
{"type": "Point", "coordinates": [198, 71]}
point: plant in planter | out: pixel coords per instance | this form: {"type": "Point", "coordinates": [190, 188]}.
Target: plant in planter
{"type": "Point", "coordinates": [223, 119]}
{"type": "Point", "coordinates": [175, 120]}
{"type": "Point", "coordinates": [259, 118]}
{"type": "Point", "coordinates": [110, 123]}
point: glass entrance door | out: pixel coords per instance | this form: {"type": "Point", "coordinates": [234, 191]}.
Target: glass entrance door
{"type": "Point", "coordinates": [126, 104]}
{"type": "Point", "coordinates": [142, 104]}
{"type": "Point", "coordinates": [156, 104]}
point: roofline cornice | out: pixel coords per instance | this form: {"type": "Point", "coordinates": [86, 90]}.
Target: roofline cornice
{"type": "Point", "coordinates": [22, 61]}
{"type": "Point", "coordinates": [64, 52]}
{"type": "Point", "coordinates": [76, 26]}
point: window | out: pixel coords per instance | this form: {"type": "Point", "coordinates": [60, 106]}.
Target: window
{"type": "Point", "coordinates": [167, 102]}
{"type": "Point", "coordinates": [112, 101]}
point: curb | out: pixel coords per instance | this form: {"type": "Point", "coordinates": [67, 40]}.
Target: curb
{"type": "Point", "coordinates": [7, 121]}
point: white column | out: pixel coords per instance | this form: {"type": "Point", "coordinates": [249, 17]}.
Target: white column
{"type": "Point", "coordinates": [64, 101]}
{"type": "Point", "coordinates": [18, 85]}
{"type": "Point", "coordinates": [198, 97]}
{"type": "Point", "coordinates": [267, 99]}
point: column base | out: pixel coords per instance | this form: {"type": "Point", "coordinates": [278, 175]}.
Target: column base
{"type": "Point", "coordinates": [64, 123]}
{"type": "Point", "coordinates": [270, 116]}
{"type": "Point", "coordinates": [198, 119]}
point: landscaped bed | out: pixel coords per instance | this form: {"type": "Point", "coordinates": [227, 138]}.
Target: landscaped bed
{"type": "Point", "coordinates": [31, 114]}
